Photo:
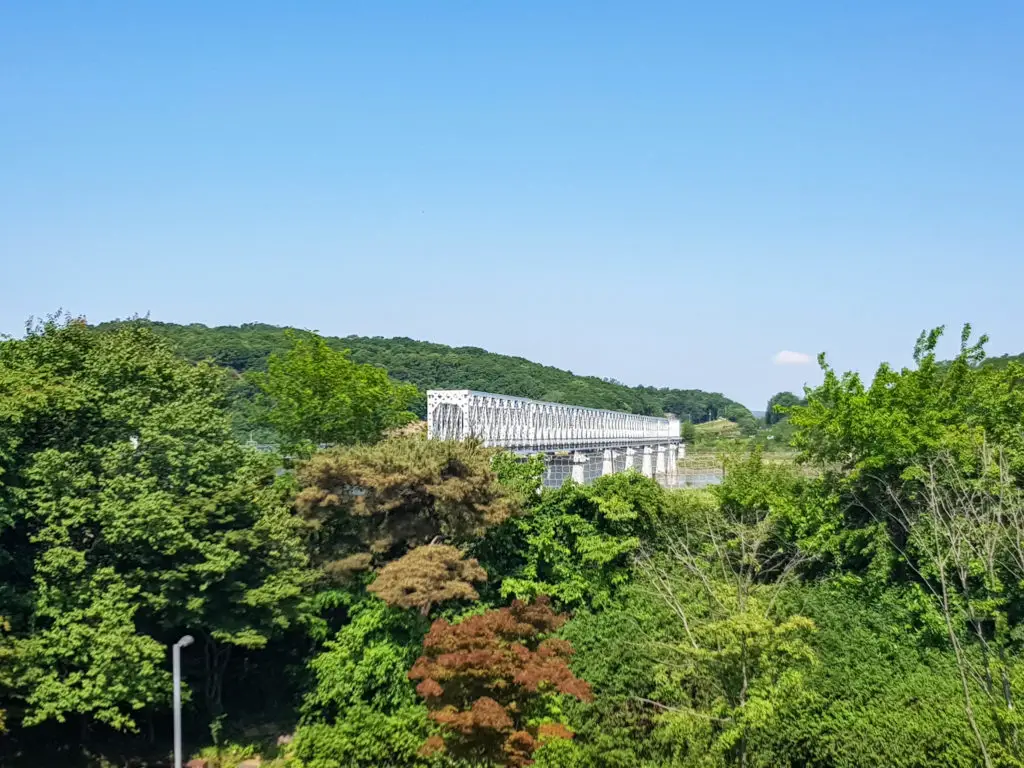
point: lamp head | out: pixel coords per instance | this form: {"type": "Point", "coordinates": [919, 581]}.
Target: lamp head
{"type": "Point", "coordinates": [185, 641]}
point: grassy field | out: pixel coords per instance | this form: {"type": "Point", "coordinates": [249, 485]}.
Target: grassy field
{"type": "Point", "coordinates": [717, 440]}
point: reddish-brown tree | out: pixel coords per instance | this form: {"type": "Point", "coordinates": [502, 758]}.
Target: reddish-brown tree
{"type": "Point", "coordinates": [378, 501]}
{"type": "Point", "coordinates": [426, 576]}
{"type": "Point", "coordinates": [484, 677]}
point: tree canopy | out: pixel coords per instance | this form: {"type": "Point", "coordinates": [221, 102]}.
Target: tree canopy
{"type": "Point", "coordinates": [396, 601]}
{"type": "Point", "coordinates": [486, 677]}
{"type": "Point", "coordinates": [426, 576]}
{"type": "Point", "coordinates": [372, 503]}
{"type": "Point", "coordinates": [249, 348]}
{"type": "Point", "coordinates": [129, 516]}
{"type": "Point", "coordinates": [314, 394]}
{"type": "Point", "coordinates": [778, 405]}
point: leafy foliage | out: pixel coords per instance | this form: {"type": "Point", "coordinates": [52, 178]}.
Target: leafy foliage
{"type": "Point", "coordinates": [362, 710]}
{"type": "Point", "coordinates": [317, 395]}
{"type": "Point", "coordinates": [734, 657]}
{"type": "Point", "coordinates": [248, 347]}
{"type": "Point", "coordinates": [577, 542]}
{"type": "Point", "coordinates": [616, 728]}
{"type": "Point", "coordinates": [867, 440]}
{"type": "Point", "coordinates": [379, 500]}
{"type": "Point", "coordinates": [90, 659]}
{"type": "Point", "coordinates": [864, 611]}
{"type": "Point", "coordinates": [131, 515]}
{"type": "Point", "coordinates": [778, 405]}
{"type": "Point", "coordinates": [426, 576]}
{"type": "Point", "coordinates": [486, 678]}
{"type": "Point", "coordinates": [883, 692]}
{"type": "Point", "coordinates": [920, 485]}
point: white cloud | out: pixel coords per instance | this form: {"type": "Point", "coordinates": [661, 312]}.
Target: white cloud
{"type": "Point", "coordinates": [785, 357]}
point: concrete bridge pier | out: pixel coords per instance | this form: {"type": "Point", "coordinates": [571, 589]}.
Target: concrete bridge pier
{"type": "Point", "coordinates": [673, 465]}
{"type": "Point", "coordinates": [647, 468]}
{"type": "Point", "coordinates": [608, 462]}
{"type": "Point", "coordinates": [630, 459]}
{"type": "Point", "coordinates": [579, 466]}
{"type": "Point", "coordinates": [660, 468]}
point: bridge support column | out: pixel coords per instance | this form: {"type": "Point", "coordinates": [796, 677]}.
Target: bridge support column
{"type": "Point", "coordinates": [607, 463]}
{"type": "Point", "coordinates": [647, 469]}
{"type": "Point", "coordinates": [673, 465]}
{"type": "Point", "coordinates": [630, 458]}
{"type": "Point", "coordinates": [579, 464]}
{"type": "Point", "coordinates": [660, 467]}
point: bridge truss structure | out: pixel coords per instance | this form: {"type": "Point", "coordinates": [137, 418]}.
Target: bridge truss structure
{"type": "Point", "coordinates": [577, 442]}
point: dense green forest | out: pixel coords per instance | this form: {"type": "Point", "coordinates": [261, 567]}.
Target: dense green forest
{"type": "Point", "coordinates": [393, 601]}
{"type": "Point", "coordinates": [247, 348]}
{"type": "Point", "coordinates": [1003, 360]}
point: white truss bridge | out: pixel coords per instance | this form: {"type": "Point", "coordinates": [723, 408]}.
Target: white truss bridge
{"type": "Point", "coordinates": [577, 442]}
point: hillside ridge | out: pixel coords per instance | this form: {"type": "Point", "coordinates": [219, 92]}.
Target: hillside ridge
{"type": "Point", "coordinates": [431, 365]}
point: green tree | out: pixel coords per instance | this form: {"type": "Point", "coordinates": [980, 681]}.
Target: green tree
{"type": "Point", "coordinates": [362, 711]}
{"type": "Point", "coordinates": [736, 657]}
{"type": "Point", "coordinates": [920, 482]}
{"type": "Point", "coordinates": [612, 653]}
{"type": "Point", "coordinates": [577, 542]}
{"type": "Point", "coordinates": [88, 657]}
{"type": "Point", "coordinates": [883, 693]}
{"type": "Point", "coordinates": [315, 395]}
{"type": "Point", "coordinates": [965, 546]}
{"type": "Point", "coordinates": [132, 517]}
{"type": "Point", "coordinates": [776, 410]}
{"type": "Point", "coordinates": [866, 441]}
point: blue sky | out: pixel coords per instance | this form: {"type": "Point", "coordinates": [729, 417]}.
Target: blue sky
{"type": "Point", "coordinates": [663, 193]}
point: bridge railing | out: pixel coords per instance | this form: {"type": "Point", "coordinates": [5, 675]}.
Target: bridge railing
{"type": "Point", "coordinates": [517, 423]}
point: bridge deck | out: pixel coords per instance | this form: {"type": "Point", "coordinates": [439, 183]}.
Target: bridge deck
{"type": "Point", "coordinates": [526, 426]}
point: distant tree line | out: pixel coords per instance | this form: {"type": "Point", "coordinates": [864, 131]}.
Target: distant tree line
{"type": "Point", "coordinates": [247, 349]}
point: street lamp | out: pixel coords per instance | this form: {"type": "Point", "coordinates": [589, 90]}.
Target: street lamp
{"type": "Point", "coordinates": [176, 663]}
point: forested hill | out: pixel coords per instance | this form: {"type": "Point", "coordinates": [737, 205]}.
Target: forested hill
{"type": "Point", "coordinates": [437, 366]}
{"type": "Point", "coordinates": [1003, 360]}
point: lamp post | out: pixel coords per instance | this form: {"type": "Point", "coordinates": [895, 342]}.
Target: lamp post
{"type": "Point", "coordinates": [176, 663]}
